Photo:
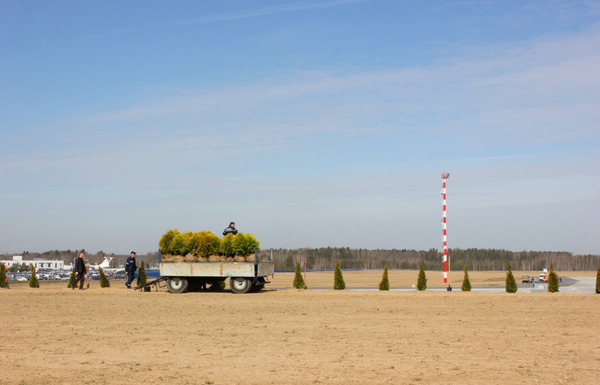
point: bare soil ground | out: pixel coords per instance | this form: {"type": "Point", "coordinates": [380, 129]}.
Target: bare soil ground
{"type": "Point", "coordinates": [54, 335]}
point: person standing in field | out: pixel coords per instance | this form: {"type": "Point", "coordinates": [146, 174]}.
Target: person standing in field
{"type": "Point", "coordinates": [80, 270]}
{"type": "Point", "coordinates": [230, 229]}
{"type": "Point", "coordinates": [130, 268]}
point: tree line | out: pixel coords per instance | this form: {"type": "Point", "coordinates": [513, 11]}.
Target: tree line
{"type": "Point", "coordinates": [325, 258]}
{"type": "Point", "coordinates": [474, 259]}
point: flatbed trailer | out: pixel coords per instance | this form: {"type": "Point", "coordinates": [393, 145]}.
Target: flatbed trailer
{"type": "Point", "coordinates": [243, 277]}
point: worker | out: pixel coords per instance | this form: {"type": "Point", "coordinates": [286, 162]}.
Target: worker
{"type": "Point", "coordinates": [130, 268]}
{"type": "Point", "coordinates": [80, 270]}
{"type": "Point", "coordinates": [230, 229]}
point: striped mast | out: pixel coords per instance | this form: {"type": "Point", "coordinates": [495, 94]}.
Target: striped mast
{"type": "Point", "coordinates": [445, 250]}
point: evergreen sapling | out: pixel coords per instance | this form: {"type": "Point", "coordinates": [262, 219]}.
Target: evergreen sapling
{"type": "Point", "coordinates": [511, 283]}
{"type": "Point", "coordinates": [179, 244]}
{"type": "Point", "coordinates": [466, 285]}
{"type": "Point", "coordinates": [72, 279]}
{"type": "Point", "coordinates": [3, 280]}
{"type": "Point", "coordinates": [104, 282]}
{"type": "Point", "coordinates": [385, 283]}
{"type": "Point", "coordinates": [298, 280]}
{"type": "Point", "coordinates": [166, 239]}
{"type": "Point", "coordinates": [598, 281]}
{"type": "Point", "coordinates": [338, 283]}
{"type": "Point", "coordinates": [33, 281]}
{"type": "Point", "coordinates": [422, 280]}
{"type": "Point", "coordinates": [552, 280]}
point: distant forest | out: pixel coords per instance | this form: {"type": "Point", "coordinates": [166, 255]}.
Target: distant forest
{"type": "Point", "coordinates": [327, 257]}
{"type": "Point", "coordinates": [475, 259]}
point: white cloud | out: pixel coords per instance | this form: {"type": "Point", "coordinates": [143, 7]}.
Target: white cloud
{"type": "Point", "coordinates": [290, 7]}
{"type": "Point", "coordinates": [522, 90]}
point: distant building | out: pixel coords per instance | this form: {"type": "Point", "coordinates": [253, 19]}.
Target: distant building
{"type": "Point", "coordinates": [38, 263]}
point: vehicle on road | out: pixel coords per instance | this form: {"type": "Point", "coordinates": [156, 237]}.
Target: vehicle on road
{"type": "Point", "coordinates": [526, 278]}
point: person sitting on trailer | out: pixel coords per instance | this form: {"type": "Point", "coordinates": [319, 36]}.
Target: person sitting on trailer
{"type": "Point", "coordinates": [230, 229]}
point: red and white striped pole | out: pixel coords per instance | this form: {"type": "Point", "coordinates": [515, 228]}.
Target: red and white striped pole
{"type": "Point", "coordinates": [445, 252]}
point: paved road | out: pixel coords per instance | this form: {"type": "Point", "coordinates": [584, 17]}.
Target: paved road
{"type": "Point", "coordinates": [586, 285]}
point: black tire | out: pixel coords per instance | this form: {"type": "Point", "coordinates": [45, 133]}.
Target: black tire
{"type": "Point", "coordinates": [177, 285]}
{"type": "Point", "coordinates": [258, 286]}
{"type": "Point", "coordinates": [240, 285]}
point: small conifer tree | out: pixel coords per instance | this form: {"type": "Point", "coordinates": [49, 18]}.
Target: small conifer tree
{"type": "Point", "coordinates": [244, 244]}
{"type": "Point", "coordinates": [141, 281]}
{"type": "Point", "coordinates": [180, 243]}
{"type": "Point", "coordinates": [251, 245]}
{"type": "Point", "coordinates": [72, 279]}
{"type": "Point", "coordinates": [511, 283]}
{"type": "Point", "coordinates": [166, 239]}
{"type": "Point", "coordinates": [466, 285]}
{"type": "Point", "coordinates": [422, 280]}
{"type": "Point", "coordinates": [206, 244]}
{"type": "Point", "coordinates": [338, 283]}
{"type": "Point", "coordinates": [298, 280]}
{"type": "Point", "coordinates": [226, 246]}
{"type": "Point", "coordinates": [104, 282]}
{"type": "Point", "coordinates": [2, 275]}
{"type": "Point", "coordinates": [598, 281]}
{"type": "Point", "coordinates": [385, 283]}
{"type": "Point", "coordinates": [33, 281]}
{"type": "Point", "coordinates": [552, 280]}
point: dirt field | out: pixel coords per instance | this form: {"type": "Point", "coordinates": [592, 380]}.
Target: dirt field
{"type": "Point", "coordinates": [54, 335]}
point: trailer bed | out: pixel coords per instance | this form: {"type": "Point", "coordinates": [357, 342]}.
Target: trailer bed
{"type": "Point", "coordinates": [216, 269]}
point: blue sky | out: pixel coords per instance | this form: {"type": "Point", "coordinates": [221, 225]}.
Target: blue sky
{"type": "Point", "coordinates": [309, 123]}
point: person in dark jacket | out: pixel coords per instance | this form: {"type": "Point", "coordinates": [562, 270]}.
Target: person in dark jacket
{"type": "Point", "coordinates": [130, 268]}
{"type": "Point", "coordinates": [80, 270]}
{"type": "Point", "coordinates": [230, 230]}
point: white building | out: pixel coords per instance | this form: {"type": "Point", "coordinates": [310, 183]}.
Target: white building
{"type": "Point", "coordinates": [38, 263]}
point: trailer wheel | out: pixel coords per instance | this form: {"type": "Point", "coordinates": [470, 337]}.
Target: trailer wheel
{"type": "Point", "coordinates": [240, 285]}
{"type": "Point", "coordinates": [260, 284]}
{"type": "Point", "coordinates": [177, 285]}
